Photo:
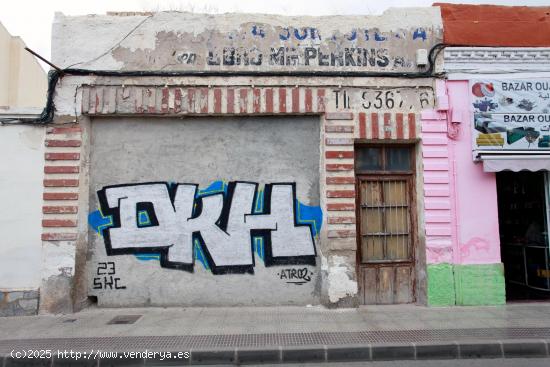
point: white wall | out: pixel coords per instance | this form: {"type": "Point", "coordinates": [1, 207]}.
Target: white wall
{"type": "Point", "coordinates": [21, 175]}
{"type": "Point", "coordinates": [23, 82]}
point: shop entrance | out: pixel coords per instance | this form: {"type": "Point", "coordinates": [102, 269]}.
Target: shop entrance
{"type": "Point", "coordinates": [523, 224]}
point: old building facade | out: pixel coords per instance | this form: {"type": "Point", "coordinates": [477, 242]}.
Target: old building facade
{"type": "Point", "coordinates": [237, 160]}
{"type": "Point", "coordinates": [226, 160]}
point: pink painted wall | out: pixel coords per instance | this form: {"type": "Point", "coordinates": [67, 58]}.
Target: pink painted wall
{"type": "Point", "coordinates": [476, 192]}
{"type": "Point", "coordinates": [461, 216]}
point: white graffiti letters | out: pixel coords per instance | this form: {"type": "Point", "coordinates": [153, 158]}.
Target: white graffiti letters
{"type": "Point", "coordinates": [157, 217]}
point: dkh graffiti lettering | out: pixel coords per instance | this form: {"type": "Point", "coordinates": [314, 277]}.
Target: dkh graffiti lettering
{"type": "Point", "coordinates": [221, 226]}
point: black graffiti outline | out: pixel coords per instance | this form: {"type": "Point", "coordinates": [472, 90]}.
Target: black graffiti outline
{"type": "Point", "coordinates": [269, 259]}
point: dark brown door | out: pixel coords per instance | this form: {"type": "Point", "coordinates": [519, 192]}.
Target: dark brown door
{"type": "Point", "coordinates": [386, 227]}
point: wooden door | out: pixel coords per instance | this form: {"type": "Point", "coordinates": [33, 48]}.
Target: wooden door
{"type": "Point", "coordinates": [386, 237]}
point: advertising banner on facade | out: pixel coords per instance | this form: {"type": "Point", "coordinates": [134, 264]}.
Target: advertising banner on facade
{"type": "Point", "coordinates": [511, 114]}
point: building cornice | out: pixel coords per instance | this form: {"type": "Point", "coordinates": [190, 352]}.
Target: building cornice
{"type": "Point", "coordinates": [496, 59]}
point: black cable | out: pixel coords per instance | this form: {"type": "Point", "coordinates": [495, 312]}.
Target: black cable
{"type": "Point", "coordinates": [47, 114]}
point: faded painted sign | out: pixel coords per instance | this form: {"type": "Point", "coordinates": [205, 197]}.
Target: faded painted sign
{"type": "Point", "coordinates": [382, 99]}
{"type": "Point", "coordinates": [511, 114]}
{"type": "Point", "coordinates": [282, 43]}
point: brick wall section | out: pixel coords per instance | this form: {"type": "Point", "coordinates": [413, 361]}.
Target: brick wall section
{"type": "Point", "coordinates": [340, 129]}
{"type": "Point", "coordinates": [61, 181]}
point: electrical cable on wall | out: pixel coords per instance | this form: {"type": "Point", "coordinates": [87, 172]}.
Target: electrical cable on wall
{"type": "Point", "coordinates": [56, 73]}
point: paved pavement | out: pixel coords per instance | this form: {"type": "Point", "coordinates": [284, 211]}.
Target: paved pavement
{"type": "Point", "coordinates": [278, 334]}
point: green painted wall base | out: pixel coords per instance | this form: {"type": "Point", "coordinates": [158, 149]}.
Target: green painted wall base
{"type": "Point", "coordinates": [441, 285]}
{"type": "Point", "coordinates": [467, 285]}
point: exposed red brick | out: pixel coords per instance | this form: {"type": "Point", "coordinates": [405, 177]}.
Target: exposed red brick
{"type": "Point", "coordinates": [412, 126]}
{"type": "Point", "coordinates": [321, 100]}
{"type": "Point", "coordinates": [340, 193]}
{"type": "Point", "coordinates": [340, 206]}
{"type": "Point", "coordinates": [61, 169]}
{"type": "Point", "coordinates": [62, 156]}
{"type": "Point", "coordinates": [60, 196]}
{"type": "Point", "coordinates": [177, 100]}
{"type": "Point", "coordinates": [62, 143]}
{"type": "Point", "coordinates": [341, 220]}
{"type": "Point", "coordinates": [269, 100]}
{"type": "Point", "coordinates": [399, 125]}
{"type": "Point", "coordinates": [64, 130]}
{"type": "Point", "coordinates": [231, 101]}
{"type": "Point", "coordinates": [295, 100]}
{"type": "Point", "coordinates": [217, 100]}
{"type": "Point", "coordinates": [339, 167]}
{"type": "Point", "coordinates": [55, 209]}
{"type": "Point", "coordinates": [362, 125]}
{"type": "Point", "coordinates": [58, 223]}
{"type": "Point", "coordinates": [282, 100]}
{"type": "Point", "coordinates": [256, 101]}
{"type": "Point", "coordinates": [164, 100]}
{"type": "Point", "coordinates": [59, 236]}
{"type": "Point", "coordinates": [309, 100]}
{"type": "Point", "coordinates": [60, 183]}
{"type": "Point", "coordinates": [338, 129]}
{"type": "Point", "coordinates": [340, 180]}
{"type": "Point", "coordinates": [341, 234]}
{"type": "Point", "coordinates": [339, 154]}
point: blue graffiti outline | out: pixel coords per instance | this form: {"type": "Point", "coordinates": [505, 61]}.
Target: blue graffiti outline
{"type": "Point", "coordinates": [305, 214]}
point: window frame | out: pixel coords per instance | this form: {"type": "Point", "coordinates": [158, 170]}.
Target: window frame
{"type": "Point", "coordinates": [384, 147]}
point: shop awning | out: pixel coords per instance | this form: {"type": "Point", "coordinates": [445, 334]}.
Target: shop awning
{"type": "Point", "coordinates": [515, 163]}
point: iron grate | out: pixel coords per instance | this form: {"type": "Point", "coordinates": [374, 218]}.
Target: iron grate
{"type": "Point", "coordinates": [124, 319]}
{"type": "Point", "coordinates": [187, 342]}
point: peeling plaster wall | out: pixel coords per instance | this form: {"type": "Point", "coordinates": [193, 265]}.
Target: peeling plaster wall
{"type": "Point", "coordinates": [352, 107]}
{"type": "Point", "coordinates": [186, 41]}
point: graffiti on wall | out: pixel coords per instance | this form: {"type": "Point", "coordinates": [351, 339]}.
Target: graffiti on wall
{"type": "Point", "coordinates": [297, 276]}
{"type": "Point", "coordinates": [222, 226]}
{"type": "Point", "coordinates": [105, 277]}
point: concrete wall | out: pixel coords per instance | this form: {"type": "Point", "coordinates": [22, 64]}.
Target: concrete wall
{"type": "Point", "coordinates": [21, 165]}
{"type": "Point", "coordinates": [349, 108]}
{"type": "Point", "coordinates": [23, 82]}
{"type": "Point", "coordinates": [202, 151]}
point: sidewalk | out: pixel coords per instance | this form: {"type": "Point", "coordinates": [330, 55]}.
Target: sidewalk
{"type": "Point", "coordinates": [287, 334]}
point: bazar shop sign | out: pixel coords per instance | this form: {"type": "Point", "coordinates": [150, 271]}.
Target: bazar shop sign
{"type": "Point", "coordinates": [511, 114]}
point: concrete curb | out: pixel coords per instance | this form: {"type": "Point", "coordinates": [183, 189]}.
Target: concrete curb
{"type": "Point", "coordinates": [527, 348]}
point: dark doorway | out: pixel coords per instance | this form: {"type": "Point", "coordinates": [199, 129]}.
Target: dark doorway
{"type": "Point", "coordinates": [523, 225]}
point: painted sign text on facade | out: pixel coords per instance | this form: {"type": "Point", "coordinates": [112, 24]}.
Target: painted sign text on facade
{"type": "Point", "coordinates": [511, 114]}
